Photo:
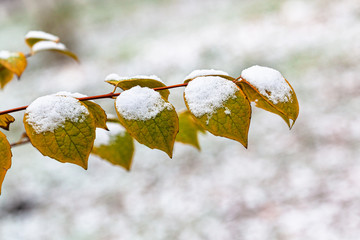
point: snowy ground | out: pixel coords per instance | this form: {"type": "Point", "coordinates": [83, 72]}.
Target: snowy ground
{"type": "Point", "coordinates": [288, 185]}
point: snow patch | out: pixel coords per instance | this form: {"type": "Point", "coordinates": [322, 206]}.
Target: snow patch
{"type": "Point", "coordinates": [116, 77]}
{"type": "Point", "coordinates": [48, 45]}
{"type": "Point", "coordinates": [140, 103]}
{"type": "Point", "coordinates": [204, 95]}
{"type": "Point", "coordinates": [69, 94]}
{"type": "Point", "coordinates": [205, 72]}
{"type": "Point", "coordinates": [269, 82]}
{"type": "Point", "coordinates": [48, 113]}
{"type": "Point", "coordinates": [227, 111]}
{"type": "Point", "coordinates": [5, 54]}
{"type": "Point", "coordinates": [42, 35]}
{"type": "Point", "coordinates": [103, 137]}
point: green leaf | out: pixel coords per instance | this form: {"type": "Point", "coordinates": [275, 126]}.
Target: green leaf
{"type": "Point", "coordinates": [278, 97]}
{"type": "Point", "coordinates": [98, 113]}
{"type": "Point", "coordinates": [5, 160]}
{"type": "Point", "coordinates": [188, 129]}
{"type": "Point", "coordinates": [148, 117]}
{"type": "Point", "coordinates": [220, 107]}
{"type": "Point", "coordinates": [53, 46]}
{"type": "Point", "coordinates": [14, 61]}
{"type": "Point", "coordinates": [5, 76]}
{"type": "Point", "coordinates": [116, 146]}
{"type": "Point", "coordinates": [62, 128]}
{"type": "Point", "coordinates": [5, 120]}
{"type": "Point", "coordinates": [143, 81]}
{"type": "Point", "coordinates": [33, 37]}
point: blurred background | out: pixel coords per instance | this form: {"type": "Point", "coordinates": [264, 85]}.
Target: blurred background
{"type": "Point", "coordinates": [288, 185]}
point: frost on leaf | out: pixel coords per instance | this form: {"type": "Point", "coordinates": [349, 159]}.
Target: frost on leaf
{"type": "Point", "coordinates": [11, 63]}
{"type": "Point", "coordinates": [33, 37]}
{"type": "Point", "coordinates": [61, 127]}
{"type": "Point", "coordinates": [148, 117]}
{"type": "Point", "coordinates": [188, 129]}
{"type": "Point", "coordinates": [125, 83]}
{"type": "Point", "coordinates": [5, 159]}
{"type": "Point", "coordinates": [207, 73]}
{"type": "Point", "coordinates": [5, 120]}
{"type": "Point", "coordinates": [52, 46]}
{"type": "Point", "coordinates": [270, 91]}
{"type": "Point", "coordinates": [219, 107]}
{"type": "Point", "coordinates": [115, 146]}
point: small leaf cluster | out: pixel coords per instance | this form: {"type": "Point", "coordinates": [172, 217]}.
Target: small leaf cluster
{"type": "Point", "coordinates": [68, 127]}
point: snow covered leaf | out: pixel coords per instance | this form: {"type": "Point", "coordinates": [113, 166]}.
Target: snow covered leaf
{"type": "Point", "coordinates": [207, 73]}
{"type": "Point", "coordinates": [13, 61]}
{"type": "Point", "coordinates": [125, 83]}
{"type": "Point", "coordinates": [220, 107]}
{"type": "Point", "coordinates": [61, 127]}
{"type": "Point", "coordinates": [188, 129]}
{"type": "Point", "coordinates": [148, 117]}
{"type": "Point", "coordinates": [33, 37]}
{"type": "Point", "coordinates": [5, 76]}
{"type": "Point", "coordinates": [116, 145]}
{"type": "Point", "coordinates": [270, 91]}
{"type": "Point", "coordinates": [52, 46]}
{"type": "Point", "coordinates": [98, 113]}
{"type": "Point", "coordinates": [5, 159]}
{"type": "Point", "coordinates": [5, 120]}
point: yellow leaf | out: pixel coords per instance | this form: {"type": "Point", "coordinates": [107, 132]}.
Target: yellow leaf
{"type": "Point", "coordinates": [98, 113]}
{"type": "Point", "coordinates": [61, 127]}
{"type": "Point", "coordinates": [5, 120]}
{"type": "Point", "coordinates": [5, 76]}
{"type": "Point", "coordinates": [53, 46]}
{"type": "Point", "coordinates": [33, 37]}
{"type": "Point", "coordinates": [220, 107]}
{"type": "Point", "coordinates": [148, 117]}
{"type": "Point", "coordinates": [188, 129]}
{"type": "Point", "coordinates": [143, 81]}
{"type": "Point", "coordinates": [5, 159]}
{"type": "Point", "coordinates": [14, 61]}
{"type": "Point", "coordinates": [271, 92]}
{"type": "Point", "coordinates": [115, 146]}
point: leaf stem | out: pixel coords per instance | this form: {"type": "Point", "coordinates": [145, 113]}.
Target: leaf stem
{"type": "Point", "coordinates": [108, 95]}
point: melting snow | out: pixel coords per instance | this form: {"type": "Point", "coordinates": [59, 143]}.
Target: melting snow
{"type": "Point", "coordinates": [50, 112]}
{"type": "Point", "coordinates": [205, 72]}
{"type": "Point", "coordinates": [103, 137]}
{"type": "Point", "coordinates": [42, 35]}
{"type": "Point", "coordinates": [140, 103]}
{"type": "Point", "coordinates": [269, 82]}
{"type": "Point", "coordinates": [48, 45]}
{"type": "Point", "coordinates": [5, 54]}
{"type": "Point", "coordinates": [204, 95]}
{"type": "Point", "coordinates": [116, 77]}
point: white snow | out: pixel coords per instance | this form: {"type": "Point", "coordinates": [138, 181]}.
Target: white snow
{"type": "Point", "coordinates": [5, 54]}
{"type": "Point", "coordinates": [69, 94]}
{"type": "Point", "coordinates": [140, 103]}
{"type": "Point", "coordinates": [116, 77]}
{"type": "Point", "coordinates": [204, 95]}
{"type": "Point", "coordinates": [42, 35]}
{"type": "Point", "coordinates": [103, 137]}
{"type": "Point", "coordinates": [48, 45]}
{"type": "Point", "coordinates": [269, 82]}
{"type": "Point", "coordinates": [205, 72]}
{"type": "Point", "coordinates": [50, 112]}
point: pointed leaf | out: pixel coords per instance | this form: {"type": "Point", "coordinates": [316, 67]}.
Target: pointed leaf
{"type": "Point", "coordinates": [14, 61]}
{"type": "Point", "coordinates": [116, 146]}
{"type": "Point", "coordinates": [270, 91]}
{"type": "Point", "coordinates": [61, 127]}
{"type": "Point", "coordinates": [219, 107]}
{"type": "Point", "coordinates": [5, 159]}
{"type": "Point", "coordinates": [148, 117]}
{"type": "Point", "coordinates": [98, 113]}
{"type": "Point", "coordinates": [125, 83]}
{"type": "Point", "coordinates": [207, 73]}
{"type": "Point", "coordinates": [188, 129]}
{"type": "Point", "coordinates": [53, 46]}
{"type": "Point", "coordinates": [5, 120]}
{"type": "Point", "coordinates": [5, 76]}
{"type": "Point", "coordinates": [33, 37]}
